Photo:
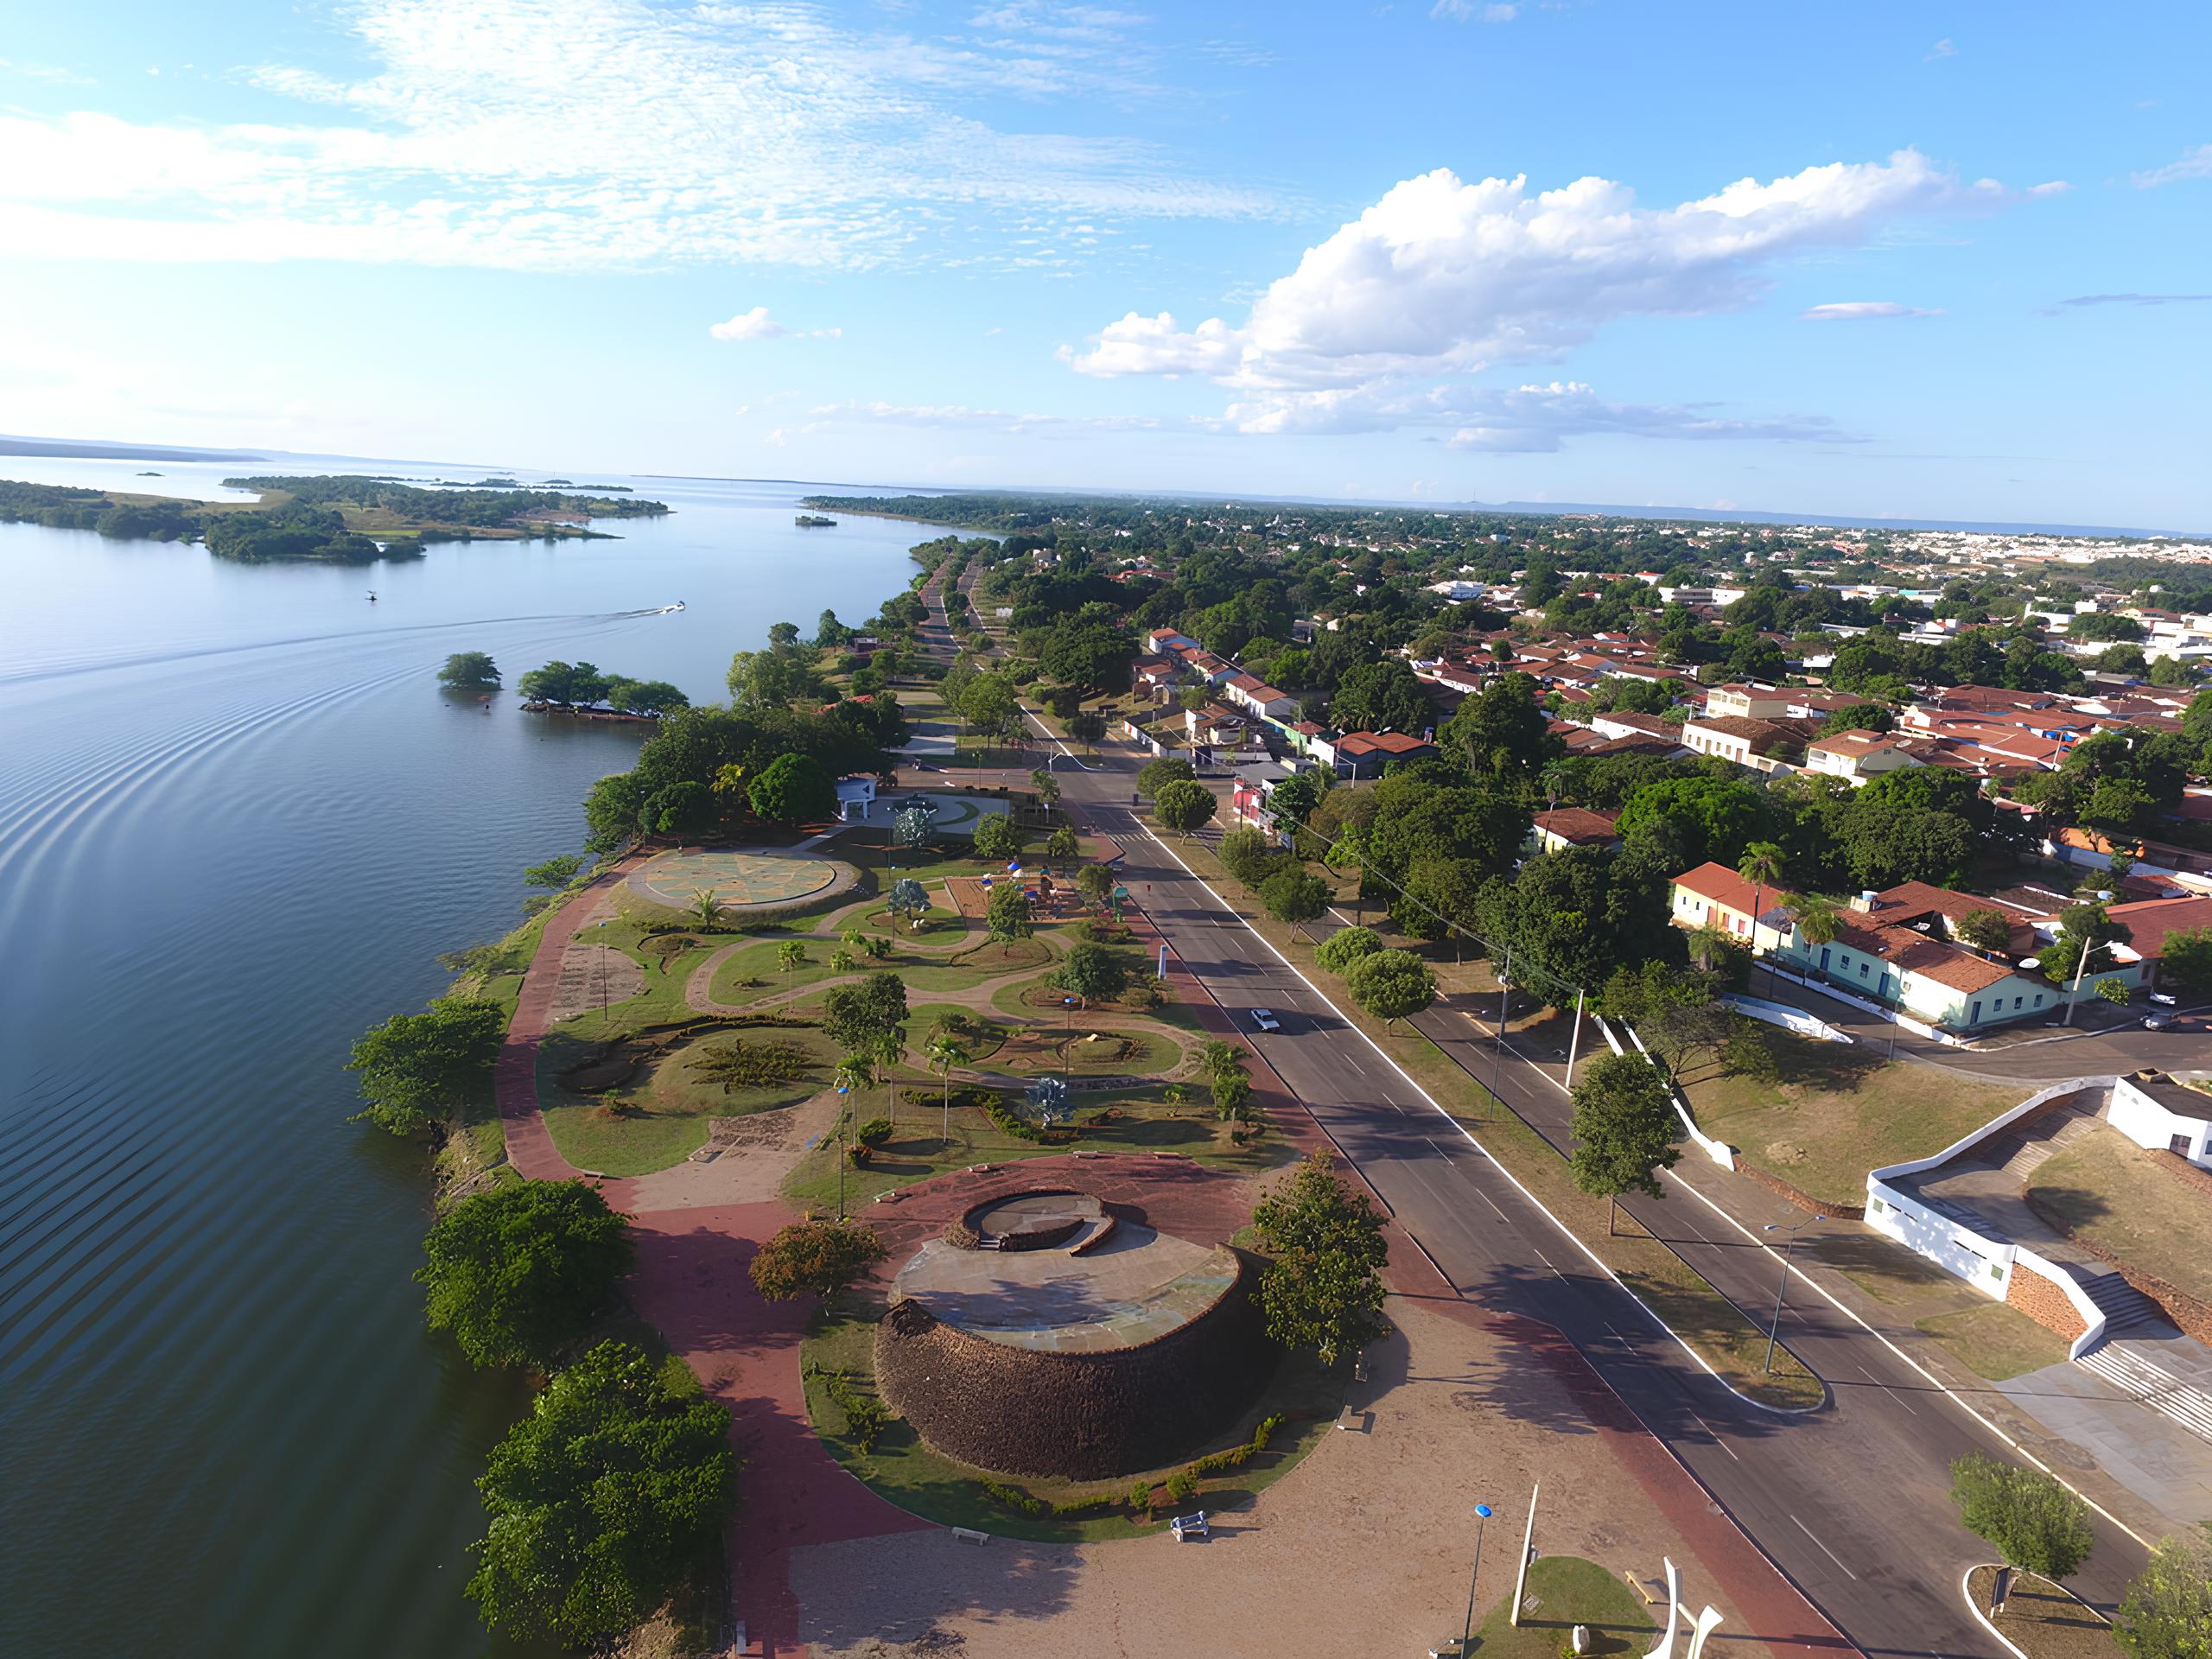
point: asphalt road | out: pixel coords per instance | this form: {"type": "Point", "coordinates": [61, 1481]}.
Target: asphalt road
{"type": "Point", "coordinates": [1850, 1501]}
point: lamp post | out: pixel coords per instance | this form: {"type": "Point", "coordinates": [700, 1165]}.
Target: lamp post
{"type": "Point", "coordinates": [842, 1090]}
{"type": "Point", "coordinates": [1481, 1515]}
{"type": "Point", "coordinates": [1067, 1035]}
{"type": "Point", "coordinates": [1774, 1324]}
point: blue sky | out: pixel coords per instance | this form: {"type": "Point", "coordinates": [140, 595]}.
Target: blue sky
{"type": "Point", "coordinates": [1920, 260]}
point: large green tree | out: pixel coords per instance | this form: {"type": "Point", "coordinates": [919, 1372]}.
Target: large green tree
{"type": "Point", "coordinates": [1183, 805]}
{"type": "Point", "coordinates": [519, 1272]}
{"type": "Point", "coordinates": [604, 1498]}
{"type": "Point", "coordinates": [2027, 1517]}
{"type": "Point", "coordinates": [864, 1017]}
{"type": "Point", "coordinates": [1090, 973]}
{"type": "Point", "coordinates": [793, 789]}
{"type": "Point", "coordinates": [1625, 1129]}
{"type": "Point", "coordinates": [1391, 985]}
{"type": "Point", "coordinates": [469, 671]}
{"type": "Point", "coordinates": [419, 1069]}
{"type": "Point", "coordinates": [1324, 1288]}
{"type": "Point", "coordinates": [1575, 915]}
{"type": "Point", "coordinates": [2167, 1611]}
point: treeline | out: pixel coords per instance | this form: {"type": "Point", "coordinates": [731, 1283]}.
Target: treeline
{"type": "Point", "coordinates": [297, 533]}
{"type": "Point", "coordinates": [581, 686]}
{"type": "Point", "coordinates": [477, 508]}
{"type": "Point", "coordinates": [63, 506]}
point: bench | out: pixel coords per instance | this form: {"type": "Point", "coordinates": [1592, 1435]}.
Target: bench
{"type": "Point", "coordinates": [1187, 1527]}
{"type": "Point", "coordinates": [970, 1535]}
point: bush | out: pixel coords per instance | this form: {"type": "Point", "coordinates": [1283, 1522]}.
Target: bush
{"type": "Point", "coordinates": [1182, 1486]}
{"type": "Point", "coordinates": [741, 1064]}
{"type": "Point", "coordinates": [874, 1133]}
{"type": "Point", "coordinates": [1140, 1497]}
{"type": "Point", "coordinates": [1021, 1128]}
{"type": "Point", "coordinates": [866, 1416]}
{"type": "Point", "coordinates": [1014, 1498]}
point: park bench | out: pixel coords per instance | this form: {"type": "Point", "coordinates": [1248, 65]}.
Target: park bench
{"type": "Point", "coordinates": [1187, 1527]}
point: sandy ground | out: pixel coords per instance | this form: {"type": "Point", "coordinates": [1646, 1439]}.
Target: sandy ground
{"type": "Point", "coordinates": [594, 976]}
{"type": "Point", "coordinates": [1364, 1548]}
{"type": "Point", "coordinates": [759, 1150]}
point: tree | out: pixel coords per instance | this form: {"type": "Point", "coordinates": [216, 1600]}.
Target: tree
{"type": "Point", "coordinates": [2167, 1611]}
{"type": "Point", "coordinates": [1574, 915]}
{"type": "Point", "coordinates": [1247, 855]}
{"type": "Point", "coordinates": [775, 678]}
{"type": "Point", "coordinates": [908, 899]}
{"type": "Point", "coordinates": [1985, 930]}
{"type": "Point", "coordinates": [2185, 960]}
{"type": "Point", "coordinates": [1006, 917]}
{"type": "Point", "coordinates": [998, 836]}
{"type": "Point", "coordinates": [418, 1069]}
{"type": "Point", "coordinates": [1184, 805]}
{"type": "Point", "coordinates": [1391, 985]}
{"type": "Point", "coordinates": [468, 671]}
{"type": "Point", "coordinates": [1884, 846]}
{"type": "Point", "coordinates": [791, 955]}
{"type": "Point", "coordinates": [826, 1257]}
{"type": "Point", "coordinates": [554, 873]}
{"type": "Point", "coordinates": [1324, 1288]}
{"type": "Point", "coordinates": [645, 696]}
{"type": "Point", "coordinates": [518, 1271]}
{"type": "Point", "coordinates": [602, 1500]}
{"type": "Point", "coordinates": [987, 703]}
{"type": "Point", "coordinates": [1063, 845]}
{"type": "Point", "coordinates": [1292, 895]}
{"type": "Point", "coordinates": [1088, 728]}
{"type": "Point", "coordinates": [1503, 732]}
{"type": "Point", "coordinates": [2031, 1520]}
{"type": "Point", "coordinates": [910, 827]}
{"type": "Point", "coordinates": [1761, 866]}
{"type": "Point", "coordinates": [1091, 973]}
{"type": "Point", "coordinates": [1095, 882]}
{"type": "Point", "coordinates": [1047, 785]}
{"type": "Point", "coordinates": [944, 1053]}
{"type": "Point", "coordinates": [1155, 775]}
{"type": "Point", "coordinates": [1345, 946]}
{"type": "Point", "coordinates": [1715, 817]}
{"type": "Point", "coordinates": [864, 1017]}
{"type": "Point", "coordinates": [1232, 1096]}
{"type": "Point", "coordinates": [793, 789]}
{"type": "Point", "coordinates": [1381, 696]}
{"type": "Point", "coordinates": [1817, 919]}
{"type": "Point", "coordinates": [1860, 717]}
{"type": "Point", "coordinates": [707, 907]}
{"type": "Point", "coordinates": [1624, 1130]}
{"type": "Point", "coordinates": [2115, 990]}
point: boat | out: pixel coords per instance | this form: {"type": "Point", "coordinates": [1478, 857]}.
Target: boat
{"type": "Point", "coordinates": [373, 599]}
{"type": "Point", "coordinates": [667, 609]}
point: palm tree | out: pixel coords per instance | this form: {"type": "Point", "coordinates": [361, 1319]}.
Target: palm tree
{"type": "Point", "coordinates": [1816, 918]}
{"type": "Point", "coordinates": [790, 954]}
{"type": "Point", "coordinates": [889, 1050]}
{"type": "Point", "coordinates": [706, 906]}
{"type": "Point", "coordinates": [1709, 944]}
{"type": "Point", "coordinates": [1761, 866]}
{"type": "Point", "coordinates": [946, 1051]}
{"type": "Point", "coordinates": [854, 1074]}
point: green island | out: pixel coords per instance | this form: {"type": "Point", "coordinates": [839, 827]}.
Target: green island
{"type": "Point", "coordinates": [347, 519]}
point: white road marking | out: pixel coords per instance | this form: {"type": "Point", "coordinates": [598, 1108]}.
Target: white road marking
{"type": "Point", "coordinates": [1711, 1431]}
{"type": "Point", "coordinates": [1494, 1209]}
{"type": "Point", "coordinates": [1825, 1550]}
{"type": "Point", "coordinates": [1885, 1389]}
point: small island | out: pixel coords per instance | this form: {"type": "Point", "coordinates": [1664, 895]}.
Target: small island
{"type": "Point", "coordinates": [814, 521]}
{"type": "Point", "coordinates": [344, 519]}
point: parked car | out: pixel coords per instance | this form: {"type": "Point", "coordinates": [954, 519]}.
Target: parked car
{"type": "Point", "coordinates": [2156, 1021]}
{"type": "Point", "coordinates": [1265, 1019]}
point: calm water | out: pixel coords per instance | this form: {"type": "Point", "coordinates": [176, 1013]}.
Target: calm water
{"type": "Point", "coordinates": [238, 820]}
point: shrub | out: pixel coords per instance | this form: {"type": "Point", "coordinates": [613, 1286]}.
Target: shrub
{"type": "Point", "coordinates": [1140, 1497]}
{"type": "Point", "coordinates": [874, 1133]}
{"type": "Point", "coordinates": [1021, 1128]}
{"type": "Point", "coordinates": [1182, 1485]}
{"type": "Point", "coordinates": [741, 1064]}
{"type": "Point", "coordinates": [1014, 1498]}
{"type": "Point", "coordinates": [866, 1416]}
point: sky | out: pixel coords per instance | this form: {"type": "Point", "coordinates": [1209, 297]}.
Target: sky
{"type": "Point", "coordinates": [1926, 260]}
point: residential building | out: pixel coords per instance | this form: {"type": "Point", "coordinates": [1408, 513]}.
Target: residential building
{"type": "Point", "coordinates": [1857, 756]}
{"type": "Point", "coordinates": [1573, 826]}
{"type": "Point", "coordinates": [1759, 745]}
{"type": "Point", "coordinates": [1755, 702]}
{"type": "Point", "coordinates": [1364, 754]}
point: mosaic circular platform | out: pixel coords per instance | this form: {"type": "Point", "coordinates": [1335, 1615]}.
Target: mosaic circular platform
{"type": "Point", "coordinates": [738, 880]}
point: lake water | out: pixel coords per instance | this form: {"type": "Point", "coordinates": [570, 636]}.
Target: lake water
{"type": "Point", "coordinates": [238, 821]}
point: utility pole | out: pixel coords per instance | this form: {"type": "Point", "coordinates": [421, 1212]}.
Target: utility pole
{"type": "Point", "coordinates": [1574, 1042]}
{"type": "Point", "coordinates": [1774, 1324]}
{"type": "Point", "coordinates": [1504, 993]}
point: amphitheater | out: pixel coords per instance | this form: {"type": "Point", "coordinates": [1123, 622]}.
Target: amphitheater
{"type": "Point", "coordinates": [1049, 1334]}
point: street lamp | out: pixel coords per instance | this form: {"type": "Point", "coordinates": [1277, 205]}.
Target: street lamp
{"type": "Point", "coordinates": [1482, 1514]}
{"type": "Point", "coordinates": [842, 1090]}
{"type": "Point", "coordinates": [1774, 1324]}
{"type": "Point", "coordinates": [1067, 1035]}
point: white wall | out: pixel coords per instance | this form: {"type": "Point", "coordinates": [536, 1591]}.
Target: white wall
{"type": "Point", "coordinates": [2147, 1123]}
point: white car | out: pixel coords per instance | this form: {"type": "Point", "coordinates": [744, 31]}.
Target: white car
{"type": "Point", "coordinates": [2156, 1021]}
{"type": "Point", "coordinates": [1265, 1019]}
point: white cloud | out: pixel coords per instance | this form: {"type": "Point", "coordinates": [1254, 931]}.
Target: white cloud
{"type": "Point", "coordinates": [1863, 311]}
{"type": "Point", "coordinates": [2194, 164]}
{"type": "Point", "coordinates": [780, 437]}
{"type": "Point", "coordinates": [1441, 276]}
{"type": "Point", "coordinates": [1942, 48]}
{"type": "Point", "coordinates": [2050, 187]}
{"type": "Point", "coordinates": [1461, 11]}
{"type": "Point", "coordinates": [2080, 300]}
{"type": "Point", "coordinates": [563, 134]}
{"type": "Point", "coordinates": [756, 324]}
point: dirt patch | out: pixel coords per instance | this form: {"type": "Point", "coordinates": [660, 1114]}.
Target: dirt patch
{"type": "Point", "coordinates": [594, 976]}
{"type": "Point", "coordinates": [1298, 1570]}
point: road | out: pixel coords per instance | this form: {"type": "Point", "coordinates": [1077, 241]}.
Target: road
{"type": "Point", "coordinates": [1850, 1501]}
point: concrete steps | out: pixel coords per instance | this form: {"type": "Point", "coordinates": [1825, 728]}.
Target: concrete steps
{"type": "Point", "coordinates": [2125, 1307]}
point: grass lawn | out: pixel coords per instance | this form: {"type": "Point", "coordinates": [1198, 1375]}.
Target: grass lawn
{"type": "Point", "coordinates": [1562, 1592]}
{"type": "Point", "coordinates": [2113, 1193]}
{"type": "Point", "coordinates": [661, 1114]}
{"type": "Point", "coordinates": [927, 1483]}
{"type": "Point", "coordinates": [1840, 1110]}
{"type": "Point", "coordinates": [1143, 1123]}
{"type": "Point", "coordinates": [1989, 1339]}
{"type": "Point", "coordinates": [2042, 1620]}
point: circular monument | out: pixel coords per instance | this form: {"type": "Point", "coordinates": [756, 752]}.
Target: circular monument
{"type": "Point", "coordinates": [1047, 1335]}
{"type": "Point", "coordinates": [740, 882]}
